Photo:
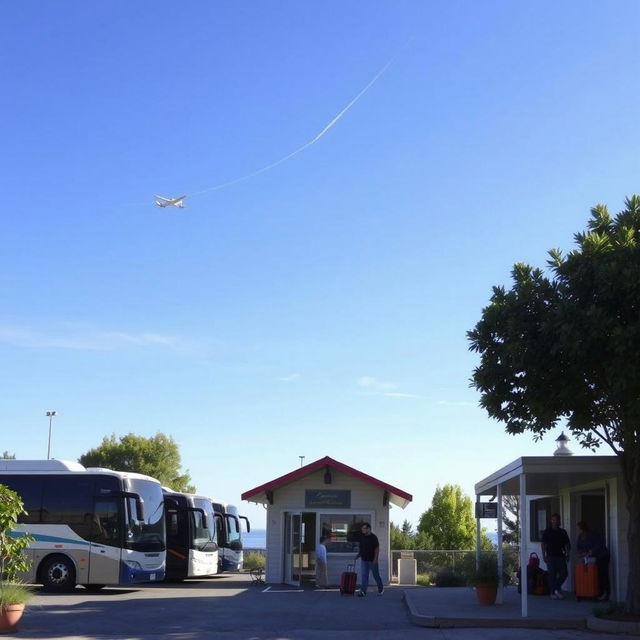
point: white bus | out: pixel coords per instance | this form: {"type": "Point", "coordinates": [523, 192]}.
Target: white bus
{"type": "Point", "coordinates": [93, 527]}
{"type": "Point", "coordinates": [192, 540]}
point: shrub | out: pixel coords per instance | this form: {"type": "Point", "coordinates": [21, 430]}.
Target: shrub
{"type": "Point", "coordinates": [13, 560]}
{"type": "Point", "coordinates": [11, 593]}
{"type": "Point", "coordinates": [424, 580]}
{"type": "Point", "coordinates": [253, 560]}
{"type": "Point", "coordinates": [450, 578]}
{"type": "Point", "coordinates": [486, 572]}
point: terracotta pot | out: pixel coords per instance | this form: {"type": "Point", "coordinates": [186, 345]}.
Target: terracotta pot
{"type": "Point", "coordinates": [486, 593]}
{"type": "Point", "coordinates": [9, 616]}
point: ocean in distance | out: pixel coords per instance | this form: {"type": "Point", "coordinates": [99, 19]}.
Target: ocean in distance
{"type": "Point", "coordinates": [255, 539]}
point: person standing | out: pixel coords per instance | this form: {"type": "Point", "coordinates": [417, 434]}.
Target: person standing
{"type": "Point", "coordinates": [322, 578]}
{"type": "Point", "coordinates": [556, 547]}
{"type": "Point", "coordinates": [368, 554]}
{"type": "Point", "coordinates": [590, 545]}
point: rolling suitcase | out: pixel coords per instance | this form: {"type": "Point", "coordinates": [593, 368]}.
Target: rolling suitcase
{"type": "Point", "coordinates": [586, 578]}
{"type": "Point", "coordinates": [348, 581]}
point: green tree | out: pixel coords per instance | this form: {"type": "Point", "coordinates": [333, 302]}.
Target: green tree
{"type": "Point", "coordinates": [423, 541]}
{"type": "Point", "coordinates": [449, 522]}
{"type": "Point", "coordinates": [562, 345]}
{"type": "Point", "coordinates": [399, 539]}
{"type": "Point", "coordinates": [407, 528]}
{"type": "Point", "coordinates": [157, 456]}
{"type": "Point", "coordinates": [511, 519]}
{"type": "Point", "coordinates": [8, 456]}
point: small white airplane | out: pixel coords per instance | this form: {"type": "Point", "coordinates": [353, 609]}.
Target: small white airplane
{"type": "Point", "coordinates": [170, 202]}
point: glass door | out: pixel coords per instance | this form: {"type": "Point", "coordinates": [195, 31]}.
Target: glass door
{"type": "Point", "coordinates": [294, 543]}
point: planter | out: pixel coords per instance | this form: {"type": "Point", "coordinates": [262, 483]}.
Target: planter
{"type": "Point", "coordinates": [487, 593]}
{"type": "Point", "coordinates": [10, 614]}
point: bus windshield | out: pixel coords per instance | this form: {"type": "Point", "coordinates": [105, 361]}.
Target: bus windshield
{"type": "Point", "coordinates": [204, 538]}
{"type": "Point", "coordinates": [147, 534]}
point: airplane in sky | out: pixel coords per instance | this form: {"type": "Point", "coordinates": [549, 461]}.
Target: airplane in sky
{"type": "Point", "coordinates": [170, 202]}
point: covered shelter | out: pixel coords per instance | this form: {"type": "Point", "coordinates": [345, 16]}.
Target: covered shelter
{"type": "Point", "coordinates": [323, 498]}
{"type": "Point", "coordinates": [587, 488]}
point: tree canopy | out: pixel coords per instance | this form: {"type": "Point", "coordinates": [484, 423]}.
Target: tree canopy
{"type": "Point", "coordinates": [449, 523]}
{"type": "Point", "coordinates": [157, 456]}
{"type": "Point", "coordinates": [562, 345]}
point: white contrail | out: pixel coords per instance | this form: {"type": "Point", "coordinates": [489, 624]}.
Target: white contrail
{"type": "Point", "coordinates": [306, 145]}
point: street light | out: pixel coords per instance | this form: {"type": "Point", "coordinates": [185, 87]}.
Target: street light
{"type": "Point", "coordinates": [50, 415]}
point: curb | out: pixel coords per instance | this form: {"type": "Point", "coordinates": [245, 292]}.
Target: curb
{"type": "Point", "coordinates": [613, 626]}
{"type": "Point", "coordinates": [442, 622]}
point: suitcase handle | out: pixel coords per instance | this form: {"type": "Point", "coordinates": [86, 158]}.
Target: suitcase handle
{"type": "Point", "coordinates": [351, 567]}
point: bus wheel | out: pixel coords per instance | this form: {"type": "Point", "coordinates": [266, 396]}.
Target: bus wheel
{"type": "Point", "coordinates": [93, 587]}
{"type": "Point", "coordinates": [58, 574]}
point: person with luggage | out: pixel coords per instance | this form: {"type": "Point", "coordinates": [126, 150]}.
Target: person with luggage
{"type": "Point", "coordinates": [556, 547]}
{"type": "Point", "coordinates": [322, 579]}
{"type": "Point", "coordinates": [592, 548]}
{"type": "Point", "coordinates": [368, 554]}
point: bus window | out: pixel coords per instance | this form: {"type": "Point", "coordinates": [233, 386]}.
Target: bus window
{"type": "Point", "coordinates": [105, 525]}
{"type": "Point", "coordinates": [29, 488]}
{"type": "Point", "coordinates": [66, 499]}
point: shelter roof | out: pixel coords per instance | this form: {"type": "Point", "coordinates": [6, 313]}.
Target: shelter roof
{"type": "Point", "coordinates": [396, 496]}
{"type": "Point", "coordinates": [547, 475]}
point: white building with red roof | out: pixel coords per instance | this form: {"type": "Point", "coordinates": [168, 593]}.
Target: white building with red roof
{"type": "Point", "coordinates": [323, 498]}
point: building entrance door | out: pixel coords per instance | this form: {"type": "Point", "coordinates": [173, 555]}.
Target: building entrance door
{"type": "Point", "coordinates": [299, 539]}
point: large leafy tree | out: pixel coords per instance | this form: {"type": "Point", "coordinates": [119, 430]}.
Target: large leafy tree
{"type": "Point", "coordinates": [400, 539]}
{"type": "Point", "coordinates": [449, 522]}
{"type": "Point", "coordinates": [157, 456]}
{"type": "Point", "coordinates": [562, 345]}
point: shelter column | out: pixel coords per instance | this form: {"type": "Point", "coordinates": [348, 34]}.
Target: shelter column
{"type": "Point", "coordinates": [499, 597]}
{"type": "Point", "coordinates": [523, 545]}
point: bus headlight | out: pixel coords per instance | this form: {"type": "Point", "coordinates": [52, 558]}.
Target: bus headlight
{"type": "Point", "coordinates": [132, 564]}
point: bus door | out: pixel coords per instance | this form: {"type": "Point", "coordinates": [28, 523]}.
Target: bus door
{"type": "Point", "coordinates": [106, 541]}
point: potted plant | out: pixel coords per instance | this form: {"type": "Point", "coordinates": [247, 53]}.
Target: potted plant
{"type": "Point", "coordinates": [484, 577]}
{"type": "Point", "coordinates": [13, 594]}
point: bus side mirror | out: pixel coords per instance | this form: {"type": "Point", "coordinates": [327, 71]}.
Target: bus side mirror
{"type": "Point", "coordinates": [203, 514]}
{"type": "Point", "coordinates": [139, 505]}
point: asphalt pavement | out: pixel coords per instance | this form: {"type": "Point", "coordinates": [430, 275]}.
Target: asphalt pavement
{"type": "Point", "coordinates": [232, 608]}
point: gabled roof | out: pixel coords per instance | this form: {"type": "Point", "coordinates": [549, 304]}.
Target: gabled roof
{"type": "Point", "coordinates": [396, 496]}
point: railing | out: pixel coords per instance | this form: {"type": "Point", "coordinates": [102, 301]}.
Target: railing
{"type": "Point", "coordinates": [452, 567]}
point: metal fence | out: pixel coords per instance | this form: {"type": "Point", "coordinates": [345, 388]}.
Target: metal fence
{"type": "Point", "coordinates": [453, 568]}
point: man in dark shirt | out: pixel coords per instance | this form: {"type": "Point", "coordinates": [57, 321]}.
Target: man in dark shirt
{"type": "Point", "coordinates": [555, 552]}
{"type": "Point", "coordinates": [369, 550]}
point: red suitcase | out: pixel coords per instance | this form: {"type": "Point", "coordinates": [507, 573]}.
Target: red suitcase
{"type": "Point", "coordinates": [348, 581]}
{"type": "Point", "coordinates": [586, 578]}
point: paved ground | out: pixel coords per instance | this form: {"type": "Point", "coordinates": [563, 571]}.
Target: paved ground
{"type": "Point", "coordinates": [231, 608]}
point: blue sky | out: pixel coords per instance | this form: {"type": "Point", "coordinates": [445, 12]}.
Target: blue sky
{"type": "Point", "coordinates": [318, 308]}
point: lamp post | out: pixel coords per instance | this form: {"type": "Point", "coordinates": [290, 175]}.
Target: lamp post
{"type": "Point", "coordinates": [50, 415]}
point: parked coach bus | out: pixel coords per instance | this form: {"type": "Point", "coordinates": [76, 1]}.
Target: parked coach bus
{"type": "Point", "coordinates": [91, 526]}
{"type": "Point", "coordinates": [192, 540]}
{"type": "Point", "coordinates": [230, 536]}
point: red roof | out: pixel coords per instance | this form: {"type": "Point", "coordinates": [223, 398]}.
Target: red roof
{"type": "Point", "coordinates": [396, 496]}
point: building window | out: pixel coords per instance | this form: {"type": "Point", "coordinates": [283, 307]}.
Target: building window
{"type": "Point", "coordinates": [342, 531]}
